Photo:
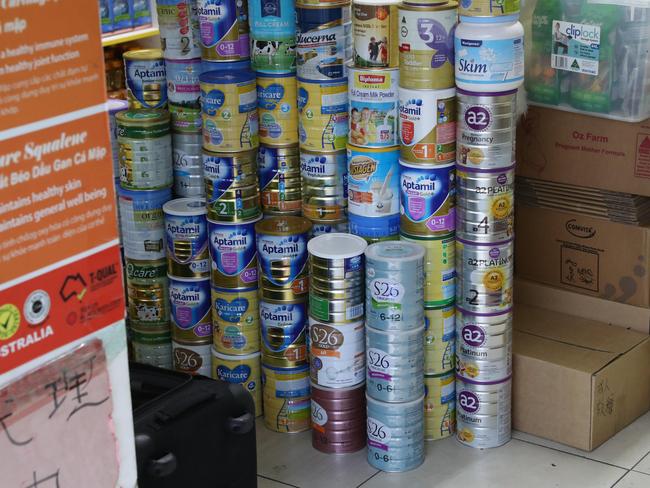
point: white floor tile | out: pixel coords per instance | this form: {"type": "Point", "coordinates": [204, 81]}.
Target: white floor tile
{"type": "Point", "coordinates": [634, 480]}
{"type": "Point", "coordinates": [625, 449]}
{"type": "Point", "coordinates": [517, 464]}
{"type": "Point", "coordinates": [644, 465]}
{"type": "Point", "coordinates": [266, 483]}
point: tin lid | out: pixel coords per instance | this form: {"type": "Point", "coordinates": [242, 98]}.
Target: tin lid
{"type": "Point", "coordinates": [395, 251]}
{"type": "Point", "coordinates": [189, 279]}
{"type": "Point", "coordinates": [339, 81]}
{"type": "Point", "coordinates": [261, 74]}
{"type": "Point", "coordinates": [165, 193]}
{"type": "Point", "coordinates": [426, 166]}
{"type": "Point", "coordinates": [208, 65]}
{"type": "Point", "coordinates": [294, 370]}
{"type": "Point", "coordinates": [482, 383]}
{"type": "Point", "coordinates": [337, 246]}
{"type": "Point", "coordinates": [231, 224]}
{"type": "Point", "coordinates": [503, 19]}
{"type": "Point", "coordinates": [449, 237]}
{"type": "Point", "coordinates": [485, 244]}
{"type": "Point", "coordinates": [228, 357]}
{"type": "Point", "coordinates": [461, 91]}
{"type": "Point", "coordinates": [282, 226]}
{"type": "Point", "coordinates": [226, 78]}
{"type": "Point", "coordinates": [380, 403]}
{"type": "Point", "coordinates": [143, 54]}
{"type": "Point", "coordinates": [136, 118]}
{"type": "Point", "coordinates": [116, 105]}
{"type": "Point", "coordinates": [185, 207]}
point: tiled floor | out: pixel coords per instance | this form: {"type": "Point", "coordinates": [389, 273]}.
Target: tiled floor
{"type": "Point", "coordinates": [525, 462]}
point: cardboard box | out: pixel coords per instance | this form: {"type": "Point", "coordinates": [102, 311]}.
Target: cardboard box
{"type": "Point", "coordinates": [584, 254]}
{"type": "Point", "coordinates": [586, 151]}
{"type": "Point", "coordinates": [577, 381]}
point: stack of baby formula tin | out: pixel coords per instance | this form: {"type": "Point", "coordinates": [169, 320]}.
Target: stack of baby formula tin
{"type": "Point", "coordinates": [114, 106]}
{"type": "Point", "coordinates": [489, 70]}
{"type": "Point", "coordinates": [395, 355]}
{"type": "Point", "coordinates": [373, 147]}
{"type": "Point", "coordinates": [337, 342]}
{"type": "Point", "coordinates": [283, 294]}
{"type": "Point", "coordinates": [427, 128]}
{"type": "Point", "coordinates": [323, 47]}
{"type": "Point", "coordinates": [180, 40]}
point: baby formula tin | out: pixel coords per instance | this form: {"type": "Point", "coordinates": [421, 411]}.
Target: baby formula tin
{"type": "Point", "coordinates": [153, 347]}
{"type": "Point", "coordinates": [486, 210]}
{"type": "Point", "coordinates": [485, 276]}
{"type": "Point", "coordinates": [286, 398]}
{"type": "Point", "coordinates": [484, 351]}
{"type": "Point", "coordinates": [439, 406]}
{"type": "Point", "coordinates": [183, 81]}
{"type": "Point", "coordinates": [427, 125]}
{"type": "Point", "coordinates": [374, 104]}
{"type": "Point", "coordinates": [282, 254]}
{"type": "Point", "coordinates": [229, 106]}
{"type": "Point", "coordinates": [439, 339]}
{"type": "Point", "coordinates": [233, 254]}
{"type": "Point", "coordinates": [427, 194]}
{"type": "Point", "coordinates": [114, 107]}
{"type": "Point", "coordinates": [187, 238]}
{"type": "Point", "coordinates": [192, 358]}
{"type": "Point", "coordinates": [488, 8]}
{"type": "Point", "coordinates": [278, 56]}
{"type": "Point", "coordinates": [426, 45]}
{"type": "Point", "coordinates": [272, 19]}
{"type": "Point", "coordinates": [323, 114]}
{"type": "Point", "coordinates": [320, 228]}
{"type": "Point", "coordinates": [185, 120]}
{"type": "Point", "coordinates": [439, 268]}
{"type": "Point", "coordinates": [374, 30]}
{"type": "Point", "coordinates": [394, 286]}
{"type": "Point", "coordinates": [284, 330]}
{"type": "Point", "coordinates": [178, 22]}
{"type": "Point", "coordinates": [245, 370]}
{"type": "Point", "coordinates": [395, 434]}
{"type": "Point", "coordinates": [191, 309]}
{"type": "Point", "coordinates": [338, 419]}
{"type": "Point", "coordinates": [276, 105]}
{"type": "Point", "coordinates": [146, 79]}
{"type": "Point", "coordinates": [147, 292]}
{"type": "Point", "coordinates": [395, 362]}
{"type": "Point", "coordinates": [142, 223]}
{"type": "Point", "coordinates": [324, 185]}
{"type": "Point", "coordinates": [145, 149]}
{"type": "Point", "coordinates": [141, 13]}
{"type": "Point", "coordinates": [235, 318]}
{"type": "Point", "coordinates": [279, 176]}
{"type": "Point", "coordinates": [486, 134]}
{"type": "Point", "coordinates": [322, 41]}
{"type": "Point", "coordinates": [337, 353]}
{"type": "Point", "coordinates": [224, 29]}
{"type": "Point", "coordinates": [483, 414]}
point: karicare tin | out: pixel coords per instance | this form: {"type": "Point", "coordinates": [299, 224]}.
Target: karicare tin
{"type": "Point", "coordinates": [324, 227]}
{"type": "Point", "coordinates": [229, 107]}
{"type": "Point", "coordinates": [322, 41]}
{"type": "Point", "coordinates": [324, 179]}
{"type": "Point", "coordinates": [146, 79]}
{"type": "Point", "coordinates": [485, 276]}
{"type": "Point", "coordinates": [374, 30]}
{"type": "Point", "coordinates": [245, 370]}
{"type": "Point", "coordinates": [274, 56]}
{"type": "Point", "coordinates": [374, 104]}
{"type": "Point", "coordinates": [394, 286]}
{"type": "Point", "coordinates": [284, 330]}
{"type": "Point", "coordinates": [224, 29]}
{"type": "Point", "coordinates": [426, 45]}
{"type": "Point", "coordinates": [186, 120]}
{"type": "Point", "coordinates": [427, 199]}
{"type": "Point", "coordinates": [286, 398]}
{"type": "Point", "coordinates": [323, 114]}
{"type": "Point", "coordinates": [114, 106]}
{"type": "Point", "coordinates": [439, 340]}
{"type": "Point", "coordinates": [483, 412]}
{"type": "Point", "coordinates": [277, 110]}
{"type": "Point", "coordinates": [440, 425]}
{"type": "Point", "coordinates": [486, 134]}
{"type": "Point", "coordinates": [427, 125]}
{"type": "Point", "coordinates": [485, 210]}
{"type": "Point", "coordinates": [183, 81]}
{"type": "Point", "coordinates": [395, 434]}
{"type": "Point", "coordinates": [487, 8]}
{"type": "Point", "coordinates": [272, 19]}
{"type": "Point", "coordinates": [147, 290]}
{"type": "Point", "coordinates": [193, 358]}
{"type": "Point", "coordinates": [180, 34]}
{"type": "Point", "coordinates": [191, 309]}
{"type": "Point", "coordinates": [235, 319]}
{"type": "Point", "coordinates": [233, 254]}
{"type": "Point", "coordinates": [337, 353]}
{"type": "Point", "coordinates": [153, 347]}
{"type": "Point", "coordinates": [395, 364]}
{"type": "Point", "coordinates": [439, 406]}
{"type": "Point", "coordinates": [186, 240]}
{"type": "Point", "coordinates": [145, 149]}
{"type": "Point", "coordinates": [338, 419]}
{"type": "Point", "coordinates": [142, 223]}
{"type": "Point", "coordinates": [279, 177]}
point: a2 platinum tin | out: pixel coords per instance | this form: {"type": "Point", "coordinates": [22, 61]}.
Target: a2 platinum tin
{"type": "Point", "coordinates": [483, 413]}
{"type": "Point", "coordinates": [395, 364]}
{"type": "Point", "coordinates": [485, 276]}
{"type": "Point", "coordinates": [279, 177]}
{"type": "Point", "coordinates": [284, 330]}
{"type": "Point", "coordinates": [192, 358]}
{"type": "Point", "coordinates": [147, 289]}
{"type": "Point", "coordinates": [188, 165]}
{"type": "Point", "coordinates": [338, 419]}
{"type": "Point", "coordinates": [394, 286]}
{"type": "Point", "coordinates": [233, 254]}
{"type": "Point", "coordinates": [191, 312]}
{"type": "Point", "coordinates": [187, 238]}
{"type": "Point", "coordinates": [395, 434]}
{"type": "Point", "coordinates": [235, 319]}
{"type": "Point", "coordinates": [287, 406]}
{"type": "Point", "coordinates": [324, 185]}
{"type": "Point", "coordinates": [439, 406]}
{"type": "Point", "coordinates": [486, 133]}
{"type": "Point", "coordinates": [484, 346]}
{"type": "Point", "coordinates": [439, 340]}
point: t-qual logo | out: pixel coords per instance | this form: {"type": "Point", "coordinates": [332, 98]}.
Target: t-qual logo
{"type": "Point", "coordinates": [581, 231]}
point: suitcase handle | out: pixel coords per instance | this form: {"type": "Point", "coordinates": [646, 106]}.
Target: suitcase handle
{"type": "Point", "coordinates": [240, 425]}
{"type": "Point", "coordinates": [184, 403]}
{"type": "Point", "coordinates": [163, 466]}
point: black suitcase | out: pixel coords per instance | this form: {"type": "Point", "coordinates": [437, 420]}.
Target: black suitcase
{"type": "Point", "coordinates": [192, 431]}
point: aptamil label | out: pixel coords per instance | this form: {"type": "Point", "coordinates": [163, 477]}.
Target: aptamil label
{"type": "Point", "coordinates": [187, 236]}
{"type": "Point", "coordinates": [219, 22]}
{"type": "Point", "coordinates": [379, 363]}
{"type": "Point", "coordinates": [427, 198]}
{"type": "Point", "coordinates": [144, 75]}
{"type": "Point", "coordinates": [191, 306]}
{"type": "Point", "coordinates": [496, 61]}
{"type": "Point", "coordinates": [222, 173]}
{"type": "Point", "coordinates": [576, 47]}
{"type": "Point", "coordinates": [373, 183]}
{"type": "Point", "coordinates": [282, 324]}
{"type": "Point", "coordinates": [272, 249]}
{"type": "Point", "coordinates": [325, 165]}
{"type": "Point", "coordinates": [234, 251]}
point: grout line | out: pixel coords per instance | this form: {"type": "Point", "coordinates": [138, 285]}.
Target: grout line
{"type": "Point", "coordinates": [277, 481]}
{"type": "Point", "coordinates": [363, 483]}
{"type": "Point", "coordinates": [619, 480]}
{"type": "Point", "coordinates": [639, 462]}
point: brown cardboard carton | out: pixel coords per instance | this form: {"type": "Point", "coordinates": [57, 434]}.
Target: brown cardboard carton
{"type": "Point", "coordinates": [577, 381]}
{"type": "Point", "coordinates": [586, 151]}
{"type": "Point", "coordinates": [584, 254]}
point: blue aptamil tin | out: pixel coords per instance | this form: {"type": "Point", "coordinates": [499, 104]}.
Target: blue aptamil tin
{"type": "Point", "coordinates": [284, 329]}
{"type": "Point", "coordinates": [146, 78]}
{"type": "Point", "coordinates": [183, 86]}
{"type": "Point", "coordinates": [191, 309]}
{"type": "Point", "coordinates": [186, 231]}
{"type": "Point", "coordinates": [272, 19]}
{"type": "Point", "coordinates": [395, 434]}
{"type": "Point", "coordinates": [233, 254]}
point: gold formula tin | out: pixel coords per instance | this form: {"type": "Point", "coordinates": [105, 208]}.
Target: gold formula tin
{"type": "Point", "coordinates": [284, 329]}
{"type": "Point", "coordinates": [286, 398]}
{"type": "Point", "coordinates": [245, 370]}
{"type": "Point", "coordinates": [280, 182]}
{"type": "Point", "coordinates": [323, 114]}
{"type": "Point", "coordinates": [276, 106]}
{"type": "Point", "coordinates": [186, 231]}
{"type": "Point", "coordinates": [236, 205]}
{"type": "Point", "coordinates": [488, 8]}
{"type": "Point", "coordinates": [374, 30]}
{"type": "Point", "coordinates": [324, 185]}
{"type": "Point", "coordinates": [426, 45]}
{"type": "Point", "coordinates": [146, 79]}
{"type": "Point", "coordinates": [224, 29]}
{"type": "Point", "coordinates": [439, 339]}
{"type": "Point", "coordinates": [147, 290]}
{"type": "Point", "coordinates": [235, 319]}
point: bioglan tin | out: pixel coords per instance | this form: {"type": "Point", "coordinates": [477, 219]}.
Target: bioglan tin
{"type": "Point", "coordinates": [277, 110]}
{"type": "Point", "coordinates": [186, 240]}
{"type": "Point", "coordinates": [224, 29]}
{"type": "Point", "coordinates": [323, 114]}
{"type": "Point", "coordinates": [374, 30]}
